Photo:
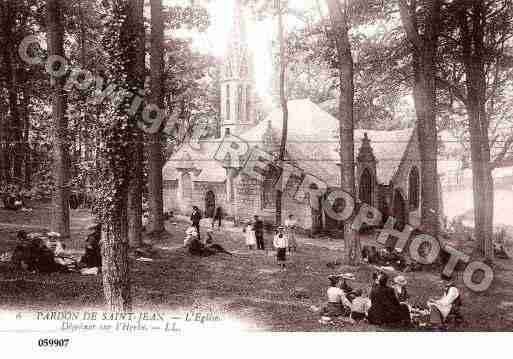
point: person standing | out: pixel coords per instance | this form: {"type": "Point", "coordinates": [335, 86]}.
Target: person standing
{"type": "Point", "coordinates": [281, 244]}
{"type": "Point", "coordinates": [290, 230]}
{"type": "Point", "coordinates": [258, 228]}
{"type": "Point", "coordinates": [249, 235]}
{"type": "Point", "coordinates": [195, 219]}
{"type": "Point", "coordinates": [218, 216]}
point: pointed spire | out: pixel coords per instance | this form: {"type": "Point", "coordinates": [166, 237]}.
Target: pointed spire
{"type": "Point", "coordinates": [238, 63]}
{"type": "Point", "coordinates": [366, 154]}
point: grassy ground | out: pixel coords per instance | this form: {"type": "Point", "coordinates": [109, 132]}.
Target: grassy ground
{"type": "Point", "coordinates": [248, 285]}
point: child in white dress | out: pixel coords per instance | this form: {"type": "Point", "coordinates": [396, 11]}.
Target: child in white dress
{"type": "Point", "coordinates": [249, 235]}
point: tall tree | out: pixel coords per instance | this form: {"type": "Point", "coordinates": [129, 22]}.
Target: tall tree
{"type": "Point", "coordinates": [155, 153]}
{"type": "Point", "coordinates": [122, 37]}
{"type": "Point", "coordinates": [424, 49]}
{"type": "Point", "coordinates": [283, 102]}
{"type": "Point", "coordinates": [55, 40]}
{"type": "Point", "coordinates": [136, 74]}
{"type": "Point", "coordinates": [476, 71]}
{"type": "Point", "coordinates": [340, 33]}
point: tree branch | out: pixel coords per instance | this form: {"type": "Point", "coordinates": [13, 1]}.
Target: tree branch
{"type": "Point", "coordinates": [454, 89]}
{"type": "Point", "coordinates": [409, 25]}
{"type": "Point", "coordinates": [508, 144]}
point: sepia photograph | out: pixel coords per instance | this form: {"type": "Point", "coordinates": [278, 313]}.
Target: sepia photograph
{"type": "Point", "coordinates": [189, 168]}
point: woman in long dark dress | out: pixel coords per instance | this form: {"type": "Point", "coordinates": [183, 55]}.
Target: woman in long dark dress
{"type": "Point", "coordinates": [386, 308]}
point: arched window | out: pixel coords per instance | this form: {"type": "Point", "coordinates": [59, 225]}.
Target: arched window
{"type": "Point", "coordinates": [366, 187]}
{"type": "Point", "coordinates": [414, 189]}
{"type": "Point", "coordinates": [248, 103]}
{"type": "Point", "coordinates": [240, 104]}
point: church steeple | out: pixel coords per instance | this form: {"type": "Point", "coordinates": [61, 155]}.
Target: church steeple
{"type": "Point", "coordinates": [237, 84]}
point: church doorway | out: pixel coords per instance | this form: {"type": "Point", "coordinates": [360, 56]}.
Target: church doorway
{"type": "Point", "coordinates": [210, 204]}
{"type": "Point", "coordinates": [400, 212]}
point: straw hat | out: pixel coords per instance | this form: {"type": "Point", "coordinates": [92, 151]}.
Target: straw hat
{"type": "Point", "coordinates": [400, 280]}
{"type": "Point", "coordinates": [447, 280]}
{"type": "Point", "coordinates": [191, 231]}
{"type": "Point", "coordinates": [348, 276]}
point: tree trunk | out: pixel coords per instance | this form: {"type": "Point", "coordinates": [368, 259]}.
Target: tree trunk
{"type": "Point", "coordinates": [6, 25]}
{"type": "Point", "coordinates": [284, 107]}
{"type": "Point", "coordinates": [155, 156]}
{"type": "Point", "coordinates": [55, 38]}
{"type": "Point", "coordinates": [474, 62]}
{"type": "Point", "coordinates": [136, 72]}
{"type": "Point", "coordinates": [25, 150]}
{"type": "Point", "coordinates": [424, 53]}
{"type": "Point", "coordinates": [123, 158]}
{"type": "Point", "coordinates": [340, 33]}
{"type": "Point", "coordinates": [115, 262]}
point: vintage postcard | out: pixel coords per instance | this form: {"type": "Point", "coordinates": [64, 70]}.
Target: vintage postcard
{"type": "Point", "coordinates": [173, 170]}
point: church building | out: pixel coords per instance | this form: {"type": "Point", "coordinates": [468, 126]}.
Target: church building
{"type": "Point", "coordinates": [387, 162]}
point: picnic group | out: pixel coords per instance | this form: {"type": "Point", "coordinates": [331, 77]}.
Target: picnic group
{"type": "Point", "coordinates": [384, 301]}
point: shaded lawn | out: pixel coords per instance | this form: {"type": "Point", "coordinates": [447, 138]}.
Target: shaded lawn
{"type": "Point", "coordinates": [247, 286]}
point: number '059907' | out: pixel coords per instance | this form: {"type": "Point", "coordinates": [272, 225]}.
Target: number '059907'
{"type": "Point", "coordinates": [53, 343]}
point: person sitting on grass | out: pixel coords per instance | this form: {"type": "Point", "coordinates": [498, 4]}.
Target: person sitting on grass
{"type": "Point", "coordinates": [34, 256]}
{"type": "Point", "coordinates": [449, 303]}
{"type": "Point", "coordinates": [386, 308]}
{"type": "Point", "coordinates": [281, 244]}
{"type": "Point", "coordinates": [338, 304]}
{"type": "Point", "coordinates": [192, 241]}
{"type": "Point", "coordinates": [346, 287]}
{"type": "Point", "coordinates": [399, 286]}
{"type": "Point", "coordinates": [360, 306]}
{"type": "Point", "coordinates": [212, 247]}
{"type": "Point", "coordinates": [197, 248]}
{"type": "Point", "coordinates": [92, 257]}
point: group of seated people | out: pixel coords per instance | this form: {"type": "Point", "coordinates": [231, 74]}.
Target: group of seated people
{"type": "Point", "coordinates": [387, 256]}
{"type": "Point", "coordinates": [45, 253]}
{"type": "Point", "coordinates": [33, 253]}
{"type": "Point", "coordinates": [13, 202]}
{"type": "Point", "coordinates": [202, 248]}
{"type": "Point", "coordinates": [387, 305]}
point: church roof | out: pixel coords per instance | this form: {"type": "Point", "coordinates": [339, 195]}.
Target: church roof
{"type": "Point", "coordinates": [313, 141]}
{"type": "Point", "coordinates": [200, 157]}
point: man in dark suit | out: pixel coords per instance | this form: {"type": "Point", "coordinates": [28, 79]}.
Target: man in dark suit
{"type": "Point", "coordinates": [195, 219]}
{"type": "Point", "coordinates": [258, 227]}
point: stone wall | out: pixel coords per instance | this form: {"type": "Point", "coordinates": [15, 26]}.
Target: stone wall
{"type": "Point", "coordinates": [170, 193]}
{"type": "Point", "coordinates": [200, 191]}
{"type": "Point", "coordinates": [173, 202]}
{"type": "Point", "coordinates": [248, 200]}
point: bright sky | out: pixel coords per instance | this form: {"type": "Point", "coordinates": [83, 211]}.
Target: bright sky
{"type": "Point", "coordinates": [260, 37]}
